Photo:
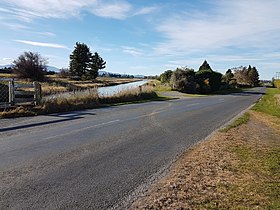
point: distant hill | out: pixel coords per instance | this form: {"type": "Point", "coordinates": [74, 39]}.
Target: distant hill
{"type": "Point", "coordinates": [100, 73]}
{"type": "Point", "coordinates": [53, 68]}
{"type": "Point", "coordinates": [50, 68]}
{"type": "Point", "coordinates": [105, 73]}
{"type": "Point", "coordinates": [6, 66]}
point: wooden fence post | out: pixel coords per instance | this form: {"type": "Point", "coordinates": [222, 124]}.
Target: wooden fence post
{"type": "Point", "coordinates": [38, 93]}
{"type": "Point", "coordinates": [11, 92]}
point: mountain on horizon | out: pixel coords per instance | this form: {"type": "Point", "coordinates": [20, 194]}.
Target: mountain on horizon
{"type": "Point", "coordinates": [55, 69]}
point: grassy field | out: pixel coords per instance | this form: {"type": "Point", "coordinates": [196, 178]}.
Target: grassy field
{"type": "Point", "coordinates": [55, 84]}
{"type": "Point", "coordinates": [238, 168]}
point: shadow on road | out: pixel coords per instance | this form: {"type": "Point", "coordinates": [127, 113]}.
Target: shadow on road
{"type": "Point", "coordinates": [248, 93]}
{"type": "Point", "coordinates": [65, 117]}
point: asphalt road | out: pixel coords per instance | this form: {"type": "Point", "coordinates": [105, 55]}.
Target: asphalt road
{"type": "Point", "coordinates": [100, 158]}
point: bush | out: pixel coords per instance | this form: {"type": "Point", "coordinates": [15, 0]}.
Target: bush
{"type": "Point", "coordinates": [31, 66]}
{"type": "Point", "coordinates": [183, 80]}
{"type": "Point", "coordinates": [208, 81]}
{"type": "Point", "coordinates": [277, 83]}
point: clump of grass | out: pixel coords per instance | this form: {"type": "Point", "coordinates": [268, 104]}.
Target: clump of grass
{"type": "Point", "coordinates": [268, 103]}
{"type": "Point", "coordinates": [77, 101]}
{"type": "Point", "coordinates": [18, 112]}
{"type": "Point", "coordinates": [239, 121]}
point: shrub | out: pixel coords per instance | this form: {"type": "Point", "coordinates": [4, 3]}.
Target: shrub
{"type": "Point", "coordinates": [208, 81]}
{"type": "Point", "coordinates": [31, 66]}
{"type": "Point", "coordinates": [183, 80]}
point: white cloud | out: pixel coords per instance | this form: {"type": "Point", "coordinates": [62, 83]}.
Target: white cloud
{"type": "Point", "coordinates": [132, 51]}
{"type": "Point", "coordinates": [116, 10]}
{"type": "Point", "coordinates": [27, 10]}
{"type": "Point", "coordinates": [146, 10]}
{"type": "Point", "coordinates": [46, 33]}
{"type": "Point", "coordinates": [42, 44]}
{"type": "Point", "coordinates": [13, 26]}
{"type": "Point", "coordinates": [7, 59]}
{"type": "Point", "coordinates": [239, 23]}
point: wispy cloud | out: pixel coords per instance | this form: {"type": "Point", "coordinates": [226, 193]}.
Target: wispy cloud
{"type": "Point", "coordinates": [30, 9]}
{"type": "Point", "coordinates": [41, 44]}
{"type": "Point", "coordinates": [116, 10]}
{"type": "Point", "coordinates": [132, 51]}
{"type": "Point", "coordinates": [237, 23]}
{"type": "Point", "coordinates": [27, 10]}
{"type": "Point", "coordinates": [7, 59]}
{"type": "Point", "coordinates": [146, 10]}
{"type": "Point", "coordinates": [13, 25]}
{"type": "Point", "coordinates": [46, 34]}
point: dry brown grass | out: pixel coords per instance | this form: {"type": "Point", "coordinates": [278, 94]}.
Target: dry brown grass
{"type": "Point", "coordinates": [52, 89]}
{"type": "Point", "coordinates": [234, 170]}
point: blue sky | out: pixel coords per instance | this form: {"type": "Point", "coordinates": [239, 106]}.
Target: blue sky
{"type": "Point", "coordinates": [144, 36]}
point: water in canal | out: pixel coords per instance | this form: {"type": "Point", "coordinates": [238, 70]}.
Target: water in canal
{"type": "Point", "coordinates": [111, 90]}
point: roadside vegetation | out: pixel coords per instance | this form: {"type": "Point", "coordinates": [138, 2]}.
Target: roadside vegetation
{"type": "Point", "coordinates": [239, 121]}
{"type": "Point", "coordinates": [270, 102]}
{"type": "Point", "coordinates": [207, 81]}
{"type": "Point", "coordinates": [83, 100]}
{"type": "Point", "coordinates": [238, 168]}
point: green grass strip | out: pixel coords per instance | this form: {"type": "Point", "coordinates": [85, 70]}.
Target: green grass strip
{"type": "Point", "coordinates": [268, 103]}
{"type": "Point", "coordinates": [239, 121]}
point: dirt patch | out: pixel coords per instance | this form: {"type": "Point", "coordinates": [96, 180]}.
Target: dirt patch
{"type": "Point", "coordinates": [232, 170]}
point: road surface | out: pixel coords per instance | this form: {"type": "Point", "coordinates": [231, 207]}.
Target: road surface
{"type": "Point", "coordinates": [100, 158]}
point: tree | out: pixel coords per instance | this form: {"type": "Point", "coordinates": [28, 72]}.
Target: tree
{"type": "Point", "coordinates": [84, 64]}
{"type": "Point", "coordinates": [183, 80]}
{"type": "Point", "coordinates": [253, 76]}
{"type": "Point", "coordinates": [96, 63]}
{"type": "Point", "coordinates": [166, 76]}
{"type": "Point", "coordinates": [228, 76]}
{"type": "Point", "coordinates": [30, 65]}
{"type": "Point", "coordinates": [247, 76]}
{"type": "Point", "coordinates": [205, 66]}
{"type": "Point", "coordinates": [207, 79]}
{"type": "Point", "coordinates": [79, 60]}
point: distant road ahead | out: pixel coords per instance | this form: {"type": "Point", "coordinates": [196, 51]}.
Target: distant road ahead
{"type": "Point", "coordinates": [96, 159]}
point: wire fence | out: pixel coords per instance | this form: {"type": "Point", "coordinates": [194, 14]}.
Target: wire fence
{"type": "Point", "coordinates": [5, 92]}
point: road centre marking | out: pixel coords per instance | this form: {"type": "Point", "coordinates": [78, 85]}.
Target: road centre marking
{"type": "Point", "coordinates": [194, 104]}
{"type": "Point", "coordinates": [82, 129]}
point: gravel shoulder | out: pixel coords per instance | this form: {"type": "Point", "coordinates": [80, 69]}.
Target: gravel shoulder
{"type": "Point", "coordinates": [238, 169]}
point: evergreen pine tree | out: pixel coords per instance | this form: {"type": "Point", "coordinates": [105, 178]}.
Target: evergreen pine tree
{"type": "Point", "coordinates": [253, 76]}
{"type": "Point", "coordinates": [205, 66]}
{"type": "Point", "coordinates": [79, 60]}
{"type": "Point", "coordinates": [96, 63]}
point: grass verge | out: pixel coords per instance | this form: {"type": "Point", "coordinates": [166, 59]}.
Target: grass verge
{"type": "Point", "coordinates": [238, 168]}
{"type": "Point", "coordinates": [268, 103]}
{"type": "Point", "coordinates": [239, 121]}
{"type": "Point", "coordinates": [83, 100]}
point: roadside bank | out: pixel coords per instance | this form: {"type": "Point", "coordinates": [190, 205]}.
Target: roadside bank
{"type": "Point", "coordinates": [234, 169]}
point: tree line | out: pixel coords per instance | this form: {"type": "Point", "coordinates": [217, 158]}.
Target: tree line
{"type": "Point", "coordinates": [83, 65]}
{"type": "Point", "coordinates": [205, 80]}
